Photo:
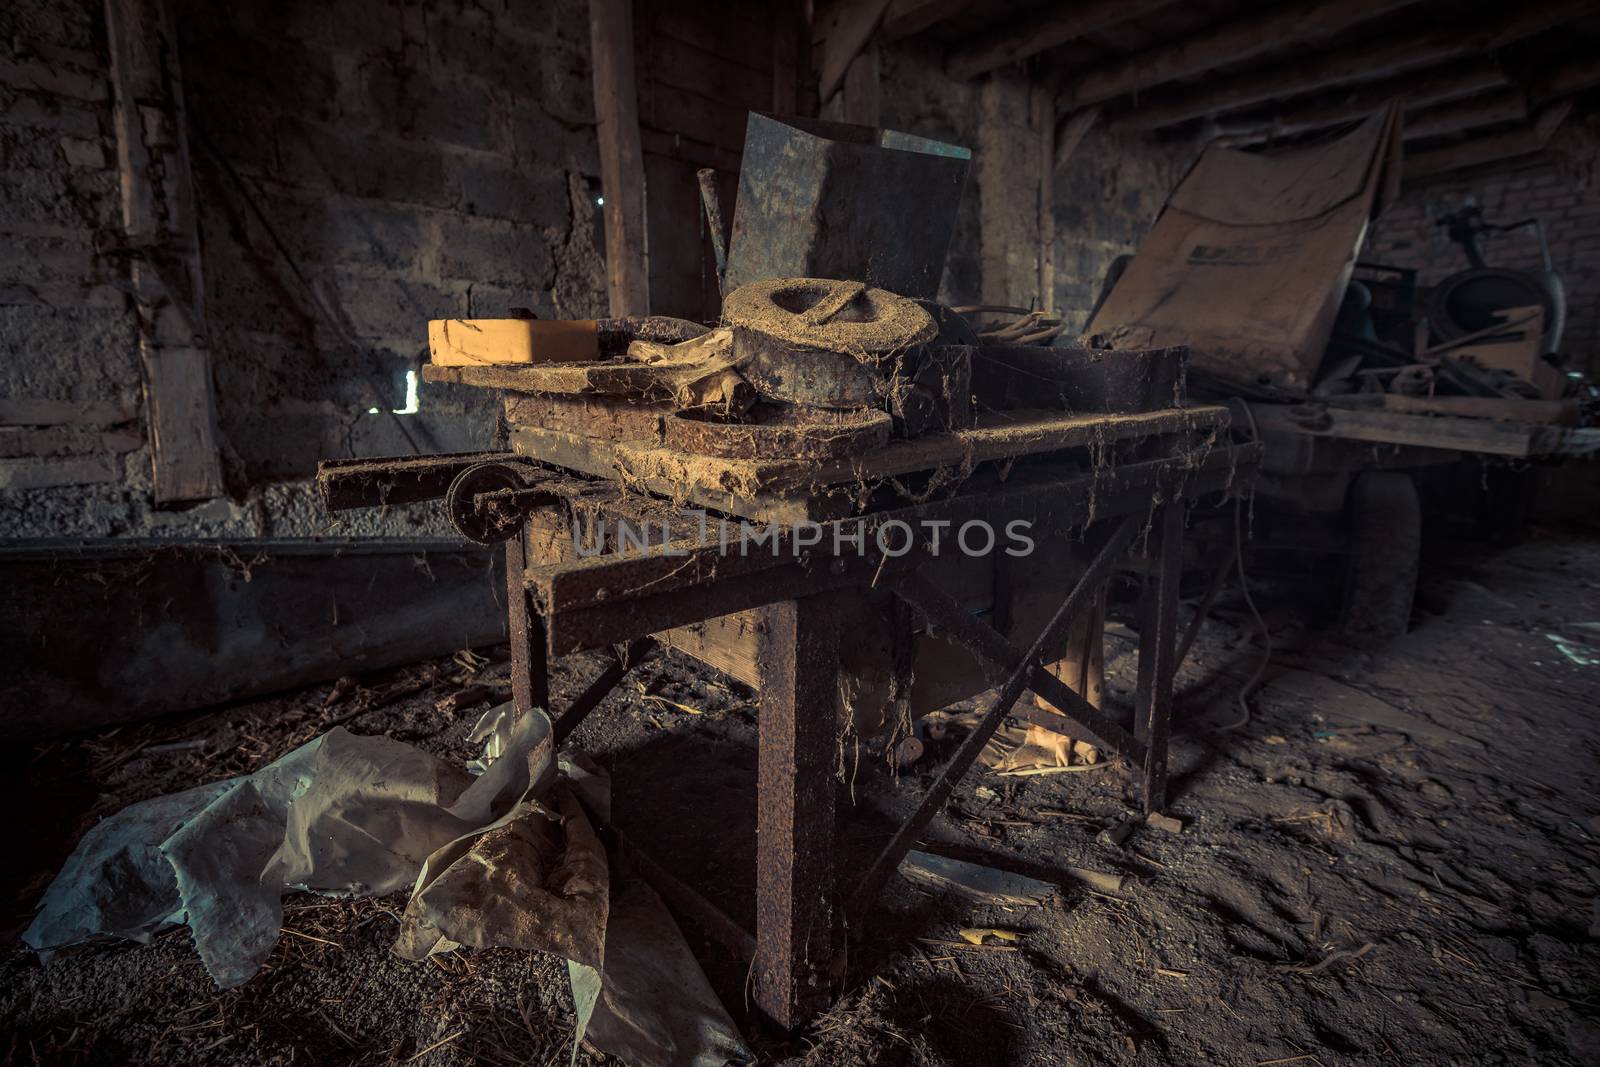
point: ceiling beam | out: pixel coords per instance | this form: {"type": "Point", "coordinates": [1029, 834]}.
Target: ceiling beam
{"type": "Point", "coordinates": [1358, 63]}
{"type": "Point", "coordinates": [1512, 145]}
{"type": "Point", "coordinates": [907, 18]}
{"type": "Point", "coordinates": [1419, 91]}
{"type": "Point", "coordinates": [1476, 113]}
{"type": "Point", "coordinates": [1063, 23]}
{"type": "Point", "coordinates": [844, 28]}
{"type": "Point", "coordinates": [1564, 81]}
{"type": "Point", "coordinates": [1219, 45]}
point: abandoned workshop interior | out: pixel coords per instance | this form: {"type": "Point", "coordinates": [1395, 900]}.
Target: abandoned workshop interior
{"type": "Point", "coordinates": [842, 532]}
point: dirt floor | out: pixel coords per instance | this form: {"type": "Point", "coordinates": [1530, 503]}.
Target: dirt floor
{"type": "Point", "coordinates": [1395, 859]}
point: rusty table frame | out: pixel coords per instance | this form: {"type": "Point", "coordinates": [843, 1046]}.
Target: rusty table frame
{"type": "Point", "coordinates": [616, 601]}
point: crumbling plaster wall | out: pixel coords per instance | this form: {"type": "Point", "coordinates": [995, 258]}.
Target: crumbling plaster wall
{"type": "Point", "coordinates": [360, 166]}
{"type": "Point", "coordinates": [1408, 236]}
{"type": "Point", "coordinates": [1106, 195]}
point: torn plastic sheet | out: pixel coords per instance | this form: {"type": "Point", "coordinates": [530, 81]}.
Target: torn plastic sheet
{"type": "Point", "coordinates": [489, 863]}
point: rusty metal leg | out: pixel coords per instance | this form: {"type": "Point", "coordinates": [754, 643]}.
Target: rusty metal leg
{"type": "Point", "coordinates": [530, 669]}
{"type": "Point", "coordinates": [795, 924]}
{"type": "Point", "coordinates": [1158, 630]}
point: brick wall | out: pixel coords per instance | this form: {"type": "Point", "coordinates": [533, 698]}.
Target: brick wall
{"type": "Point", "coordinates": [1407, 236]}
{"type": "Point", "coordinates": [360, 166]}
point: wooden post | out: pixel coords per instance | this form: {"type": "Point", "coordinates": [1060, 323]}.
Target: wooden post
{"type": "Point", "coordinates": [158, 217]}
{"type": "Point", "coordinates": [1158, 634]}
{"type": "Point", "coordinates": [1043, 105]}
{"type": "Point", "coordinates": [796, 929]}
{"type": "Point", "coordinates": [860, 99]}
{"type": "Point", "coordinates": [530, 665]}
{"type": "Point", "coordinates": [616, 106]}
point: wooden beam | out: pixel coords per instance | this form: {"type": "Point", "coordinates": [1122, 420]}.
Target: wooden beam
{"type": "Point", "coordinates": [907, 18]}
{"type": "Point", "coordinates": [1228, 43]}
{"type": "Point", "coordinates": [859, 98]}
{"type": "Point", "coordinates": [789, 34]}
{"type": "Point", "coordinates": [616, 106]}
{"type": "Point", "coordinates": [1055, 26]}
{"type": "Point", "coordinates": [1506, 106]}
{"type": "Point", "coordinates": [1042, 104]}
{"type": "Point", "coordinates": [158, 217]}
{"type": "Point", "coordinates": [1359, 63]}
{"type": "Point", "coordinates": [843, 30]}
{"type": "Point", "coordinates": [1430, 87]}
{"type": "Point", "coordinates": [1564, 81]}
{"type": "Point", "coordinates": [1071, 132]}
{"type": "Point", "coordinates": [1512, 145]}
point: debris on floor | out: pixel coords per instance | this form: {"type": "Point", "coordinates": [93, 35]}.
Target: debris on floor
{"type": "Point", "coordinates": [506, 859]}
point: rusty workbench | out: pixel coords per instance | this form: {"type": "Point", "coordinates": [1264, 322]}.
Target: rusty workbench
{"type": "Point", "coordinates": [1098, 487]}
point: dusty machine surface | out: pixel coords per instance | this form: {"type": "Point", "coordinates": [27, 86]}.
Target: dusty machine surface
{"type": "Point", "coordinates": [846, 498]}
{"type": "Point", "coordinates": [1354, 378]}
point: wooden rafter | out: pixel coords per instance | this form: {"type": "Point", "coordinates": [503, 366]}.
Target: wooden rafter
{"type": "Point", "coordinates": [1227, 43]}
{"type": "Point", "coordinates": [1506, 106]}
{"type": "Point", "coordinates": [843, 30]}
{"type": "Point", "coordinates": [906, 18]}
{"type": "Point", "coordinates": [1358, 63]}
{"type": "Point", "coordinates": [1419, 91]}
{"type": "Point", "coordinates": [1056, 26]}
{"type": "Point", "coordinates": [1515, 144]}
{"type": "Point", "coordinates": [1566, 80]}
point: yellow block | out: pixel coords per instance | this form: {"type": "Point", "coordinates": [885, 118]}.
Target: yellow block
{"type": "Point", "coordinates": [476, 342]}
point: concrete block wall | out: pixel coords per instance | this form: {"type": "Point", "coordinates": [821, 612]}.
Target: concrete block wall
{"type": "Point", "coordinates": [1107, 194]}
{"type": "Point", "coordinates": [1408, 236]}
{"type": "Point", "coordinates": [360, 166]}
{"type": "Point", "coordinates": [66, 330]}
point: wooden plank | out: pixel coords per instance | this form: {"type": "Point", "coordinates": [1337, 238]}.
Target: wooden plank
{"type": "Point", "coordinates": [1368, 61]}
{"type": "Point", "coordinates": [843, 30]}
{"type": "Point", "coordinates": [1511, 145]}
{"type": "Point", "coordinates": [1430, 87]}
{"type": "Point", "coordinates": [1549, 412]}
{"type": "Point", "coordinates": [64, 441]}
{"type": "Point", "coordinates": [787, 491]}
{"type": "Point", "coordinates": [860, 99]}
{"type": "Point", "coordinates": [47, 473]}
{"type": "Point", "coordinates": [997, 436]}
{"type": "Point", "coordinates": [789, 43]}
{"type": "Point", "coordinates": [679, 112]}
{"type": "Point", "coordinates": [691, 150]}
{"type": "Point", "coordinates": [1493, 109]}
{"type": "Point", "coordinates": [715, 74]}
{"type": "Point", "coordinates": [1054, 26]}
{"type": "Point", "coordinates": [683, 280]}
{"type": "Point", "coordinates": [616, 103]}
{"type": "Point", "coordinates": [595, 416]}
{"type": "Point", "coordinates": [25, 411]}
{"type": "Point", "coordinates": [1564, 81]}
{"type": "Point", "coordinates": [1073, 129]}
{"type": "Point", "coordinates": [1228, 43]}
{"type": "Point", "coordinates": [907, 18]}
{"type": "Point", "coordinates": [1423, 431]}
{"type": "Point", "coordinates": [476, 342]}
{"type": "Point", "coordinates": [1042, 105]}
{"type": "Point", "coordinates": [159, 221]}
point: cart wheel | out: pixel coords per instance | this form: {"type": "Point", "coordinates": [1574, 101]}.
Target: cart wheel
{"type": "Point", "coordinates": [1385, 517]}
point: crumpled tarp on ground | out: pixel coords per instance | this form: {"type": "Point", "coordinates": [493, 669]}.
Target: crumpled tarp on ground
{"type": "Point", "coordinates": [508, 859]}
